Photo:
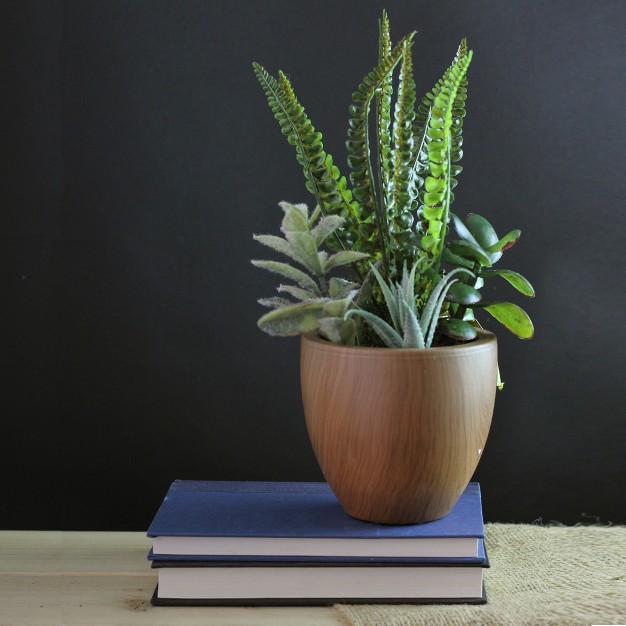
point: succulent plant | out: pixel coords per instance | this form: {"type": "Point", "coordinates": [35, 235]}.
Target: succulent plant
{"type": "Point", "coordinates": [393, 214]}
{"type": "Point", "coordinates": [411, 328]}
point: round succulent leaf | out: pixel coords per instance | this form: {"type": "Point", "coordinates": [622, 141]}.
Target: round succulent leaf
{"type": "Point", "coordinates": [517, 280]}
{"type": "Point", "coordinates": [482, 230]}
{"type": "Point", "coordinates": [462, 293]}
{"type": "Point", "coordinates": [457, 329]}
{"type": "Point", "coordinates": [471, 251]}
{"type": "Point", "coordinates": [506, 242]}
{"type": "Point", "coordinates": [447, 256]}
{"type": "Point", "coordinates": [511, 317]}
{"type": "Point", "coordinates": [462, 230]}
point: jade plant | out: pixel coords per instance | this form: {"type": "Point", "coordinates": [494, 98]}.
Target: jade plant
{"type": "Point", "coordinates": [392, 215]}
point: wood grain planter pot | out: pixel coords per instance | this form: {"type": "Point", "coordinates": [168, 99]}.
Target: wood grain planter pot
{"type": "Point", "coordinates": [398, 433]}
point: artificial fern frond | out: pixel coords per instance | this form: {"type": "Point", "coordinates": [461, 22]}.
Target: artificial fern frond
{"type": "Point", "coordinates": [361, 176]}
{"type": "Point", "coordinates": [383, 112]}
{"type": "Point", "coordinates": [322, 177]}
{"type": "Point", "coordinates": [437, 197]}
{"type": "Point", "coordinates": [458, 113]}
{"type": "Point", "coordinates": [402, 193]}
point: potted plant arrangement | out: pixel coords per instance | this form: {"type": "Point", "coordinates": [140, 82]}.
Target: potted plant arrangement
{"type": "Point", "coordinates": [398, 378]}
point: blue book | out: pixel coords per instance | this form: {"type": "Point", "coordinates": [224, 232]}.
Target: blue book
{"type": "Point", "coordinates": [288, 520]}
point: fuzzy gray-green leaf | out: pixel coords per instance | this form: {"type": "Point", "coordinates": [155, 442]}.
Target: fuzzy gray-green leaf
{"type": "Point", "coordinates": [344, 257]}
{"type": "Point", "coordinates": [296, 218]}
{"type": "Point", "coordinates": [304, 246]}
{"type": "Point", "coordinates": [338, 308]}
{"type": "Point", "coordinates": [338, 330]}
{"type": "Point", "coordinates": [288, 271]}
{"type": "Point", "coordinates": [274, 302]}
{"type": "Point", "coordinates": [340, 287]}
{"type": "Point", "coordinates": [326, 226]}
{"type": "Point", "coordinates": [279, 245]}
{"type": "Point", "coordinates": [292, 320]}
{"type": "Point", "coordinates": [298, 294]}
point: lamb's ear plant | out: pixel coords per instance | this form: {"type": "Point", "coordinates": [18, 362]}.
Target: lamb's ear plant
{"type": "Point", "coordinates": [394, 213]}
{"type": "Point", "coordinates": [317, 301]}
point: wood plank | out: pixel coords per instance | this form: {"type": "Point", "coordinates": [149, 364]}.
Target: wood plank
{"type": "Point", "coordinates": [104, 578]}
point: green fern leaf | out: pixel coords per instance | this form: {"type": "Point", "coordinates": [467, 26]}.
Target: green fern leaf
{"type": "Point", "coordinates": [436, 203]}
{"type": "Point", "coordinates": [423, 111]}
{"type": "Point", "coordinates": [361, 175]}
{"type": "Point", "coordinates": [322, 178]}
{"type": "Point", "coordinates": [402, 198]}
{"type": "Point", "coordinates": [383, 111]}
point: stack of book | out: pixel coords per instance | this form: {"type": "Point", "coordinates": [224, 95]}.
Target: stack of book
{"type": "Point", "coordinates": [260, 543]}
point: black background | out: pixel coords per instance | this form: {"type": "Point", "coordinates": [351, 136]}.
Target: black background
{"type": "Point", "coordinates": [139, 157]}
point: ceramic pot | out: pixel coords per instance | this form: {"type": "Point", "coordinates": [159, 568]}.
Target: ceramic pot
{"type": "Point", "coordinates": [398, 433]}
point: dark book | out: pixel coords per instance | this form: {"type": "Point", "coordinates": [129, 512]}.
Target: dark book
{"type": "Point", "coordinates": [274, 519]}
{"type": "Point", "coordinates": [315, 583]}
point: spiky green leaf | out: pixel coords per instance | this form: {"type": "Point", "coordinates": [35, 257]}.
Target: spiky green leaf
{"type": "Point", "coordinates": [429, 316]}
{"type": "Point", "coordinates": [390, 299]}
{"type": "Point", "coordinates": [413, 336]}
{"type": "Point", "coordinates": [389, 336]}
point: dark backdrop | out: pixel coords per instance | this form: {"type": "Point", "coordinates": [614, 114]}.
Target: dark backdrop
{"type": "Point", "coordinates": [139, 156]}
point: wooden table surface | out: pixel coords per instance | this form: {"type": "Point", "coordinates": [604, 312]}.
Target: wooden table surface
{"type": "Point", "coordinates": [104, 578]}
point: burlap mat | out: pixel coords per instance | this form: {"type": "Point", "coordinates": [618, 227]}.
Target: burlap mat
{"type": "Point", "coordinates": [539, 575]}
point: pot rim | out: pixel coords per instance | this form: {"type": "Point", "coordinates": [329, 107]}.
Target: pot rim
{"type": "Point", "coordinates": [484, 341]}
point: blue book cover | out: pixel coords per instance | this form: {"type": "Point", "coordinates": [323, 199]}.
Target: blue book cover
{"type": "Point", "coordinates": [303, 519]}
{"type": "Point", "coordinates": [190, 560]}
